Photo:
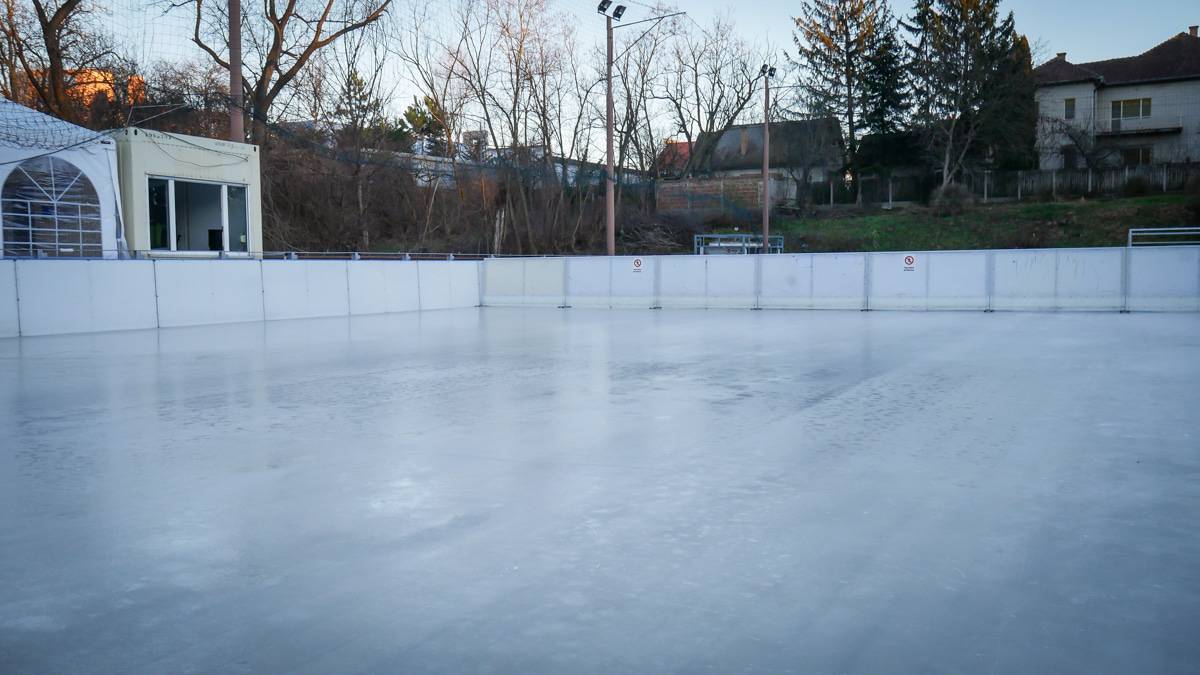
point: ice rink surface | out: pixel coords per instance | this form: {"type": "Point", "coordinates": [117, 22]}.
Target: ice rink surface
{"type": "Point", "coordinates": [550, 491]}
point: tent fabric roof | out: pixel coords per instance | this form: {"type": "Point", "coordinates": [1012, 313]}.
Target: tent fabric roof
{"type": "Point", "coordinates": [25, 128]}
{"type": "Point", "coordinates": [1177, 58]}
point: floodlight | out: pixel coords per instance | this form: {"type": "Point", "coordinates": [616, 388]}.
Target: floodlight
{"type": "Point", "coordinates": [603, 6]}
{"type": "Point", "coordinates": [771, 73]}
{"type": "Point", "coordinates": [618, 11]}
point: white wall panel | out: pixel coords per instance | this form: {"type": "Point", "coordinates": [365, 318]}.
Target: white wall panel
{"type": "Point", "coordinates": [403, 286]}
{"type": "Point", "coordinates": [682, 281]}
{"type": "Point", "coordinates": [897, 284]}
{"type": "Point", "coordinates": [382, 286]}
{"type": "Point", "coordinates": [503, 281]}
{"type": "Point", "coordinates": [304, 289]}
{"type": "Point", "coordinates": [1165, 279]}
{"type": "Point", "coordinates": [464, 283]}
{"type": "Point", "coordinates": [198, 292]}
{"type": "Point", "coordinates": [589, 282]}
{"type": "Point", "coordinates": [838, 280]}
{"type": "Point", "coordinates": [1025, 280]}
{"type": "Point", "coordinates": [9, 324]}
{"type": "Point", "coordinates": [731, 281]}
{"type": "Point", "coordinates": [544, 279]}
{"type": "Point", "coordinates": [633, 282]}
{"type": "Point", "coordinates": [787, 281]}
{"type": "Point", "coordinates": [957, 280]}
{"type": "Point", "coordinates": [1089, 279]}
{"type": "Point", "coordinates": [83, 296]}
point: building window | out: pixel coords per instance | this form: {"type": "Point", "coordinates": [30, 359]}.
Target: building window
{"type": "Point", "coordinates": [197, 216]}
{"type": "Point", "coordinates": [1069, 108]}
{"type": "Point", "coordinates": [49, 207]}
{"type": "Point", "coordinates": [1070, 157]}
{"type": "Point", "coordinates": [1132, 108]}
{"type": "Point", "coordinates": [1137, 156]}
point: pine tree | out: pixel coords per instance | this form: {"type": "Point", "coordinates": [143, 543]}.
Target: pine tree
{"type": "Point", "coordinates": [833, 41]}
{"type": "Point", "coordinates": [885, 83]}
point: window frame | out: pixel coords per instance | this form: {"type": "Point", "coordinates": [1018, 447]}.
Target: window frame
{"type": "Point", "coordinates": [1069, 108]}
{"type": "Point", "coordinates": [224, 199]}
{"type": "Point", "coordinates": [56, 206]}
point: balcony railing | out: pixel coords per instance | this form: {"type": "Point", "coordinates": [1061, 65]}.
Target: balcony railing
{"type": "Point", "coordinates": [1140, 125]}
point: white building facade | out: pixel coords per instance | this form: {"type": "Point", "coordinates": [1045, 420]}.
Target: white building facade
{"type": "Point", "coordinates": [1131, 112]}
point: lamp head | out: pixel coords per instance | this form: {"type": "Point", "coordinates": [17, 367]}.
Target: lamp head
{"type": "Point", "coordinates": [603, 6]}
{"type": "Point", "coordinates": [618, 12]}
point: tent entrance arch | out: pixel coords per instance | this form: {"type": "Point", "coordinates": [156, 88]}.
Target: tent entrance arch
{"type": "Point", "coordinates": [49, 207]}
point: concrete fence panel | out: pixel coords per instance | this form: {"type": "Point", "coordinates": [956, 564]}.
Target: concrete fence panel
{"type": "Point", "coordinates": [956, 280]}
{"type": "Point", "coordinates": [1025, 280]}
{"type": "Point", "coordinates": [305, 289]}
{"type": "Point", "coordinates": [682, 281]}
{"type": "Point", "coordinates": [382, 286]}
{"type": "Point", "coordinates": [503, 281]}
{"type": "Point", "coordinates": [1165, 279]}
{"type": "Point", "coordinates": [899, 280]}
{"type": "Point", "coordinates": [1089, 279]}
{"type": "Point", "coordinates": [787, 282]}
{"type": "Point", "coordinates": [589, 282]}
{"type": "Point", "coordinates": [633, 280]}
{"type": "Point", "coordinates": [731, 281]}
{"type": "Point", "coordinates": [447, 284]}
{"type": "Point", "coordinates": [544, 281]}
{"type": "Point", "coordinates": [838, 280]}
{"type": "Point", "coordinates": [199, 292]}
{"type": "Point", "coordinates": [10, 324]}
{"type": "Point", "coordinates": [85, 296]}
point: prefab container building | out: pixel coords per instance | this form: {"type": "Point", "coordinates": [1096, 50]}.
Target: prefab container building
{"type": "Point", "coordinates": [189, 196]}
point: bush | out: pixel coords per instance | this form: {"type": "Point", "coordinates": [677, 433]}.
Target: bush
{"type": "Point", "coordinates": [1192, 190]}
{"type": "Point", "coordinates": [951, 200]}
{"type": "Point", "coordinates": [1136, 187]}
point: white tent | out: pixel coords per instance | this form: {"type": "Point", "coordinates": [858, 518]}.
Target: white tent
{"type": "Point", "coordinates": [59, 193]}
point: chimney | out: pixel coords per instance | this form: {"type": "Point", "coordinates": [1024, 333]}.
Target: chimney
{"type": "Point", "coordinates": [1192, 30]}
{"type": "Point", "coordinates": [1062, 56]}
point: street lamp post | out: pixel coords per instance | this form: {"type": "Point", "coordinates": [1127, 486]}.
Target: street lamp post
{"type": "Point", "coordinates": [610, 178]}
{"type": "Point", "coordinates": [767, 73]}
{"type": "Point", "coordinates": [237, 131]}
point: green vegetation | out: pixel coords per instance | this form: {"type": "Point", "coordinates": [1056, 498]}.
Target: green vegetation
{"type": "Point", "coordinates": [1025, 225]}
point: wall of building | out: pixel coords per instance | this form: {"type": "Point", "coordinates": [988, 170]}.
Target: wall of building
{"type": "Point", "coordinates": [1051, 103]}
{"type": "Point", "coordinates": [143, 153]}
{"type": "Point", "coordinates": [735, 194]}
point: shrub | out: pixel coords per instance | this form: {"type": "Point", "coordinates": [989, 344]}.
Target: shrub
{"type": "Point", "coordinates": [1192, 190]}
{"type": "Point", "coordinates": [1136, 187]}
{"type": "Point", "coordinates": [951, 200]}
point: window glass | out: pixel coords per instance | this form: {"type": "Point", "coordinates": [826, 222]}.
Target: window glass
{"type": "Point", "coordinates": [1145, 107]}
{"type": "Point", "coordinates": [238, 234]}
{"type": "Point", "coordinates": [1069, 113]}
{"type": "Point", "coordinates": [160, 222]}
{"type": "Point", "coordinates": [1116, 110]}
{"type": "Point", "coordinates": [1131, 108]}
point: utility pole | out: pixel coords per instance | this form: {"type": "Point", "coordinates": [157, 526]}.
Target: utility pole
{"type": "Point", "coordinates": [610, 178]}
{"type": "Point", "coordinates": [767, 72]}
{"type": "Point", "coordinates": [237, 129]}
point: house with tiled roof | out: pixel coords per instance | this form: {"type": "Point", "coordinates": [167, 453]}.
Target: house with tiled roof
{"type": "Point", "coordinates": [1129, 111]}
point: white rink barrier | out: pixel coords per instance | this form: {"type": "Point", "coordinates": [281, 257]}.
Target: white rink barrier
{"type": "Point", "coordinates": [1089, 279]}
{"type": "Point", "coordinates": [56, 296]}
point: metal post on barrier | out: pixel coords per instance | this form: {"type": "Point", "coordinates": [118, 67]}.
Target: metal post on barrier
{"type": "Point", "coordinates": [566, 279]}
{"type": "Point", "coordinates": [866, 304]}
{"type": "Point", "coordinates": [1125, 262]}
{"type": "Point", "coordinates": [656, 302]}
{"type": "Point", "coordinates": [989, 282]}
{"type": "Point", "coordinates": [757, 282]}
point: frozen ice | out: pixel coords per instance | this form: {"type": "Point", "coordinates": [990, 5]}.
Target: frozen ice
{"type": "Point", "coordinates": [594, 491]}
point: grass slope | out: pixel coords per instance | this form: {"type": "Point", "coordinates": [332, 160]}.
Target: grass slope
{"type": "Point", "coordinates": [1024, 225]}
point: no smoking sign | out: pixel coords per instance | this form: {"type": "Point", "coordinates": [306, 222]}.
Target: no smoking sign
{"type": "Point", "coordinates": [910, 263]}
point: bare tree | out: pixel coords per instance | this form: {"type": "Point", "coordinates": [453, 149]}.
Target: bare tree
{"type": "Point", "coordinates": [282, 40]}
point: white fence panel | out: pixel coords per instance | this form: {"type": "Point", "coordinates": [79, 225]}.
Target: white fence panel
{"type": "Point", "coordinates": [838, 280]}
{"type": "Point", "coordinates": [85, 296]}
{"type": "Point", "coordinates": [544, 278]}
{"type": "Point", "coordinates": [447, 284]}
{"type": "Point", "coordinates": [1089, 279]}
{"type": "Point", "coordinates": [9, 323]}
{"type": "Point", "coordinates": [382, 286]}
{"type": "Point", "coordinates": [305, 289]}
{"type": "Point", "coordinates": [1025, 280]}
{"type": "Point", "coordinates": [899, 280]}
{"type": "Point", "coordinates": [503, 281]}
{"type": "Point", "coordinates": [957, 280]}
{"type": "Point", "coordinates": [589, 282]}
{"type": "Point", "coordinates": [730, 281]}
{"type": "Point", "coordinates": [682, 281]}
{"type": "Point", "coordinates": [199, 292]}
{"type": "Point", "coordinates": [1165, 279]}
{"type": "Point", "coordinates": [787, 281]}
{"type": "Point", "coordinates": [632, 280]}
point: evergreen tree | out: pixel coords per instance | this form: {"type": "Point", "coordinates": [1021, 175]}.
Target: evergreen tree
{"type": "Point", "coordinates": [885, 82]}
{"type": "Point", "coordinates": [833, 42]}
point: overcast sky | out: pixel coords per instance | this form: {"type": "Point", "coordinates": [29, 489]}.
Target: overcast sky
{"type": "Point", "coordinates": [1087, 31]}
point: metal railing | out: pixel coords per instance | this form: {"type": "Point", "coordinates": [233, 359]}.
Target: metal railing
{"type": "Point", "coordinates": [1163, 236]}
{"type": "Point", "coordinates": [741, 244]}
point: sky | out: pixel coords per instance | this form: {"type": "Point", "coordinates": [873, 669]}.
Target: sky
{"type": "Point", "coordinates": [1087, 31]}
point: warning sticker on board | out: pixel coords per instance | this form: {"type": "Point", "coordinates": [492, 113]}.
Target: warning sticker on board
{"type": "Point", "coordinates": [910, 263]}
{"type": "Point", "coordinates": [637, 264]}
